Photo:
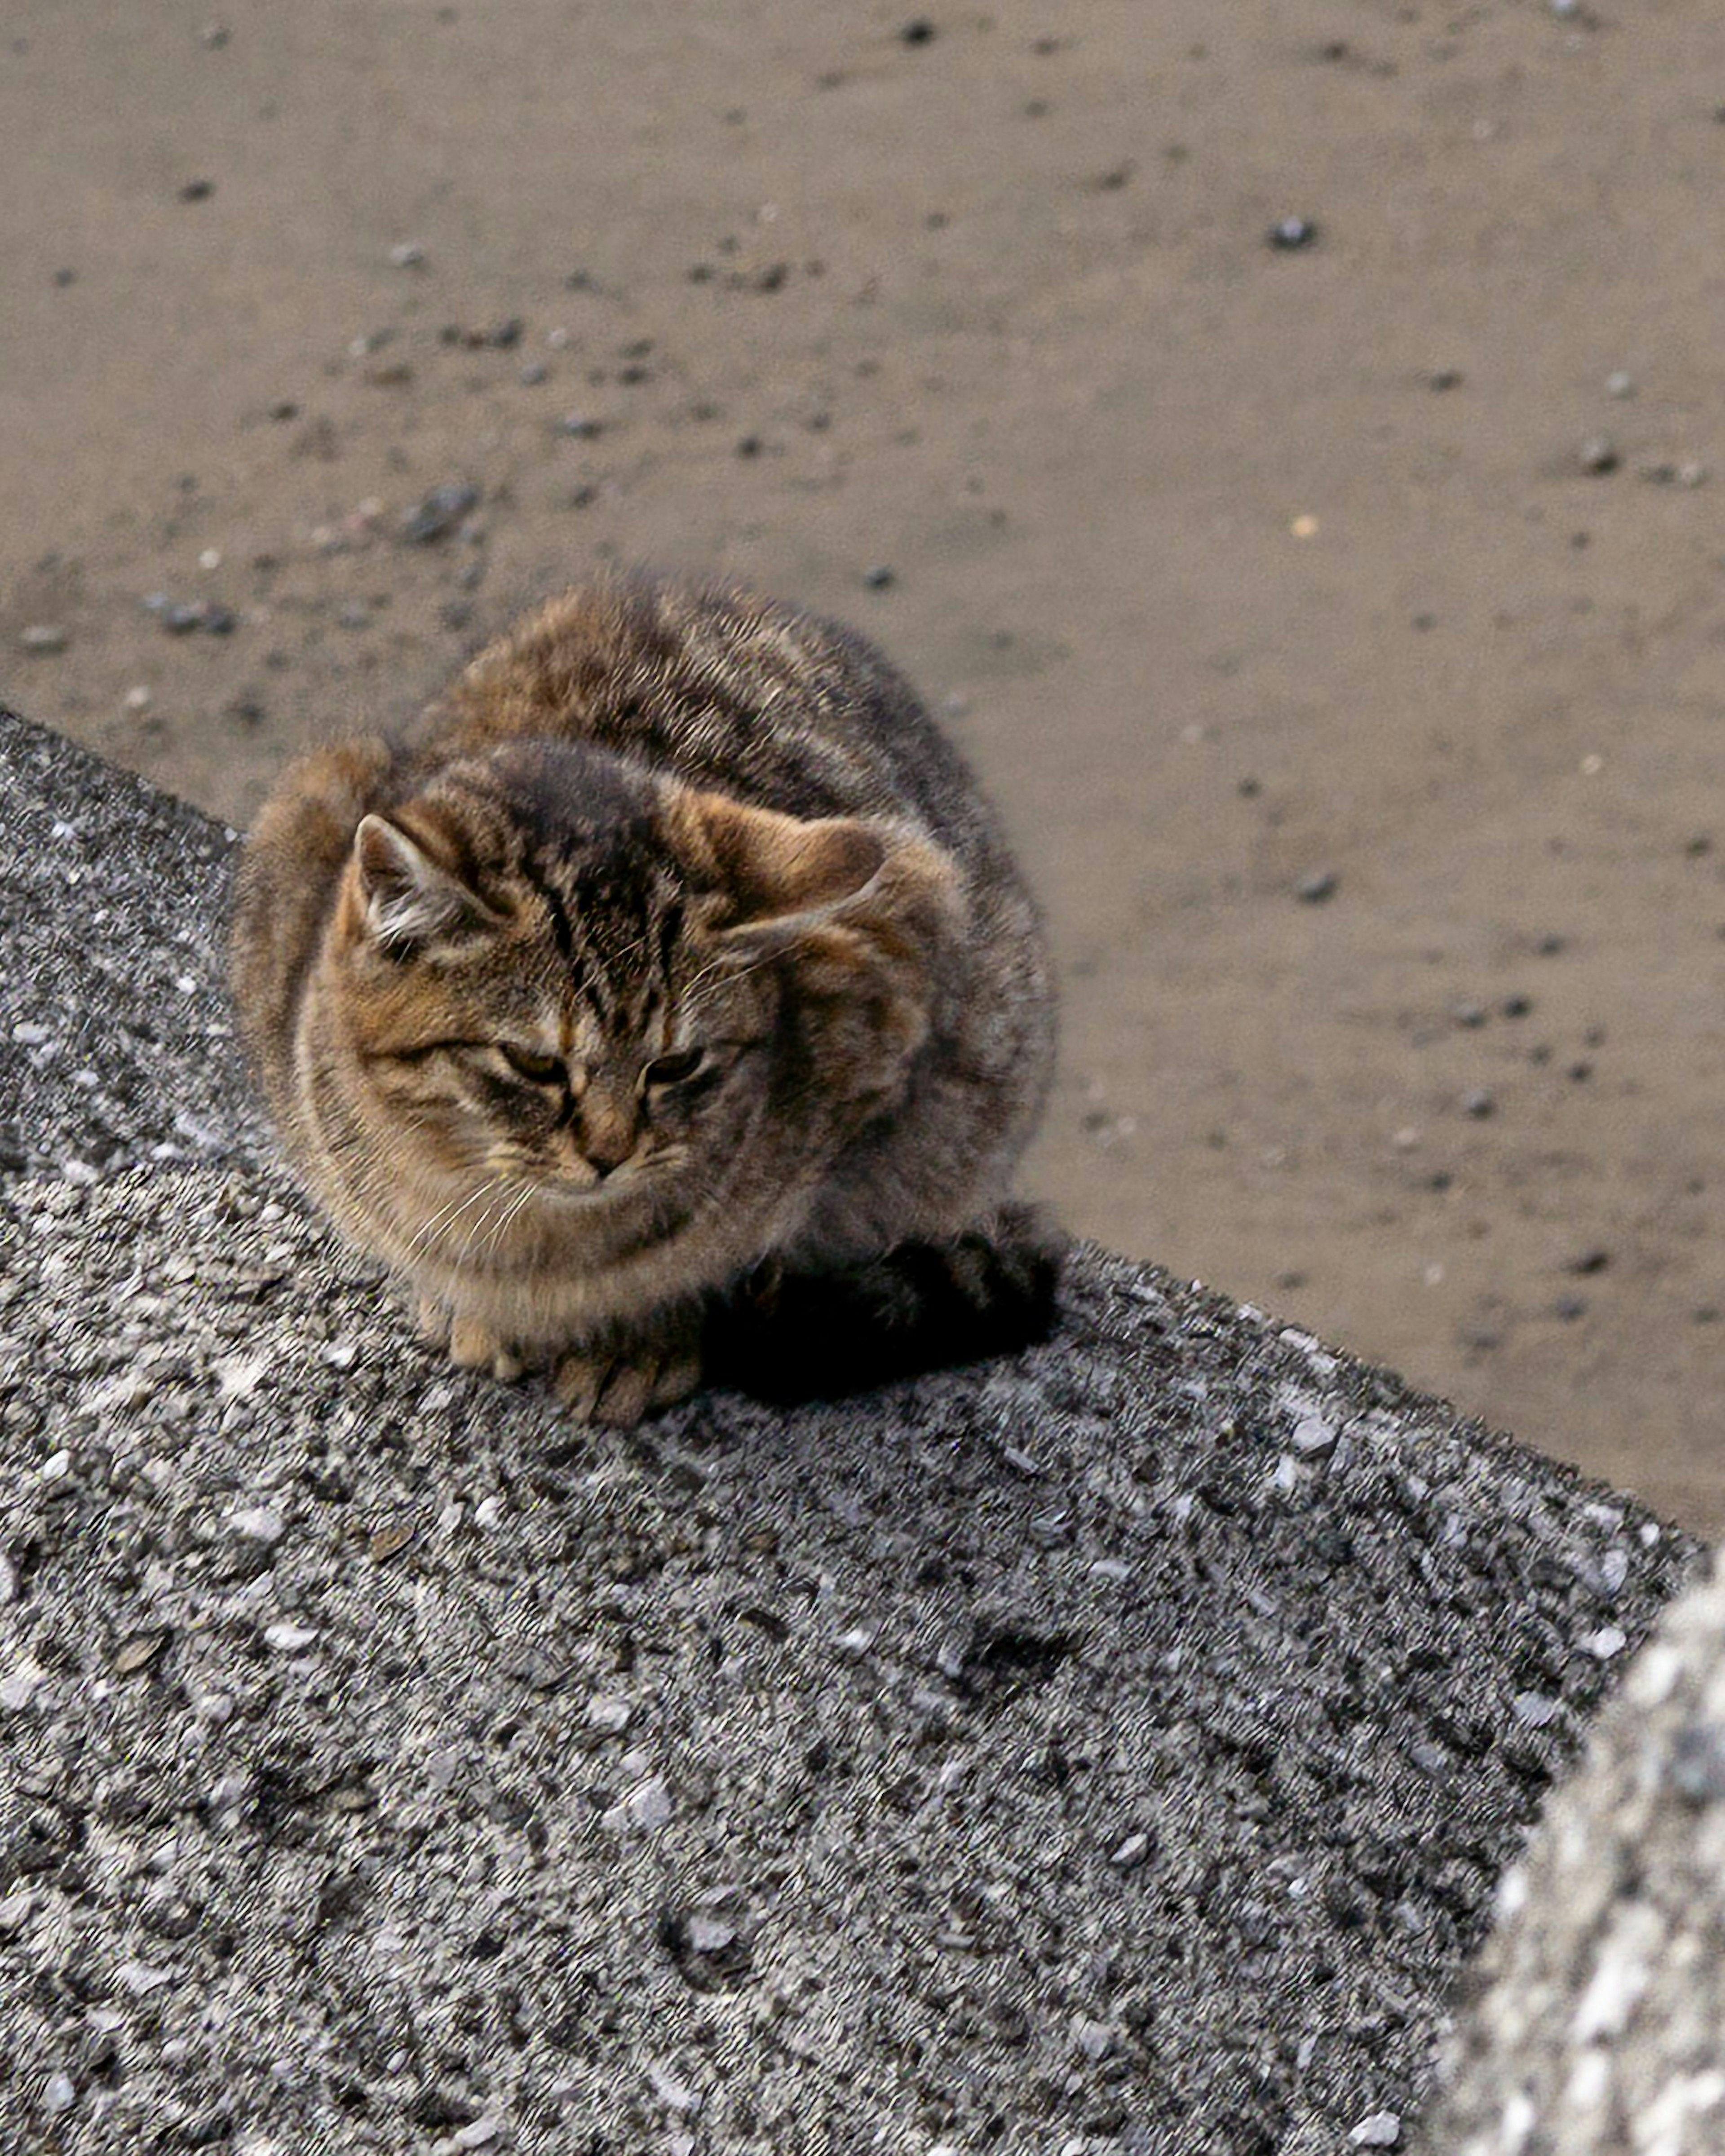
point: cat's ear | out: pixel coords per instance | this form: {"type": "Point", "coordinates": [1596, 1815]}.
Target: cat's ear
{"type": "Point", "coordinates": [779, 871]}
{"type": "Point", "coordinates": [410, 899]}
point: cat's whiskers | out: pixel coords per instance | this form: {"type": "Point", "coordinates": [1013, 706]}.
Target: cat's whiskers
{"type": "Point", "coordinates": [445, 1218]}
{"type": "Point", "coordinates": [506, 1218]}
{"type": "Point", "coordinates": [474, 1241]}
{"type": "Point", "coordinates": [729, 971]}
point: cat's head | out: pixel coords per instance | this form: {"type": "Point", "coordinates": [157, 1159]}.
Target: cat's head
{"type": "Point", "coordinates": [553, 971]}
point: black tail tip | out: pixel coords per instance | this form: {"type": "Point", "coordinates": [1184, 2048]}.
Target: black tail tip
{"type": "Point", "coordinates": [792, 1337]}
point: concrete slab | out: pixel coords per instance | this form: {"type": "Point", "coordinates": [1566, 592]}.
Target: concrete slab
{"type": "Point", "coordinates": [1114, 1749]}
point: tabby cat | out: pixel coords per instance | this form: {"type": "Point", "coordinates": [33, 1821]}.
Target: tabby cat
{"type": "Point", "coordinates": [673, 967]}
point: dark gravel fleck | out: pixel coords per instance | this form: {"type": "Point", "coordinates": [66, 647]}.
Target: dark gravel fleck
{"type": "Point", "coordinates": [439, 514]}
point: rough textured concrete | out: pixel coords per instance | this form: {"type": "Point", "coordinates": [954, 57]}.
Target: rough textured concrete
{"type": "Point", "coordinates": [115, 1046]}
{"type": "Point", "coordinates": [1595, 2029]}
{"type": "Point", "coordinates": [1113, 1749]}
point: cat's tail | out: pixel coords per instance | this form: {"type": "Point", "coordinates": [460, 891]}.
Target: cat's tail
{"type": "Point", "coordinates": [788, 1336]}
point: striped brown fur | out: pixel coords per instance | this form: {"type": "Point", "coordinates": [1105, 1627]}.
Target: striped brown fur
{"type": "Point", "coordinates": [674, 949]}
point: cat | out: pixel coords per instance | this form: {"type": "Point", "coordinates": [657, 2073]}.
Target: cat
{"type": "Point", "coordinates": [666, 995]}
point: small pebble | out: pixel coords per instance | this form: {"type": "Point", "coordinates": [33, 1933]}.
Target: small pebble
{"type": "Point", "coordinates": [880, 578]}
{"type": "Point", "coordinates": [918, 31]}
{"type": "Point", "coordinates": [1479, 1102]}
{"type": "Point", "coordinates": [17, 1690]}
{"type": "Point", "coordinates": [260, 1524]}
{"type": "Point", "coordinates": [646, 1807]}
{"type": "Point", "coordinates": [59, 2095]}
{"type": "Point", "coordinates": [580, 426]}
{"type": "Point", "coordinates": [287, 1638]}
{"type": "Point", "coordinates": [45, 636]}
{"type": "Point", "coordinates": [1533, 1710]}
{"type": "Point", "coordinates": [1095, 2039]}
{"type": "Point", "coordinates": [1311, 1435]}
{"type": "Point", "coordinates": [1290, 233]}
{"type": "Point", "coordinates": [439, 514]}
{"type": "Point", "coordinates": [1468, 1013]}
{"type": "Point", "coordinates": [389, 1540]}
{"type": "Point", "coordinates": [1315, 889]}
{"type": "Point", "coordinates": [407, 254]}
{"type": "Point", "coordinates": [1382, 2130]}
{"type": "Point", "coordinates": [137, 1654]}
{"type": "Point", "coordinates": [533, 373]}
{"type": "Point", "coordinates": [198, 191]}
{"type": "Point", "coordinates": [1620, 384]}
{"type": "Point", "coordinates": [675, 2094]}
{"type": "Point", "coordinates": [1603, 1644]}
{"type": "Point", "coordinates": [1598, 456]}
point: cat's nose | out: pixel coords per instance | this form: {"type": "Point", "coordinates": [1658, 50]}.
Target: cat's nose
{"type": "Point", "coordinates": [607, 1136]}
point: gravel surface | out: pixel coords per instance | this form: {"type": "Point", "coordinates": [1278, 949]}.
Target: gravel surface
{"type": "Point", "coordinates": [1121, 1745]}
{"type": "Point", "coordinates": [1111, 1749]}
{"type": "Point", "coordinates": [115, 1044]}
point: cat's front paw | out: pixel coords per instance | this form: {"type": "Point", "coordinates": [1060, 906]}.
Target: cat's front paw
{"type": "Point", "coordinates": [469, 1345]}
{"type": "Point", "coordinates": [622, 1384]}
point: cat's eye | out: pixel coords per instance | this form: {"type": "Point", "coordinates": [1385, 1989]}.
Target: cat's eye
{"type": "Point", "coordinates": [541, 1069]}
{"type": "Point", "coordinates": [673, 1070]}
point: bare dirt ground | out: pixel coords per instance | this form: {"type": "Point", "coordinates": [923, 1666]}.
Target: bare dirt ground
{"type": "Point", "coordinates": [1341, 626]}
